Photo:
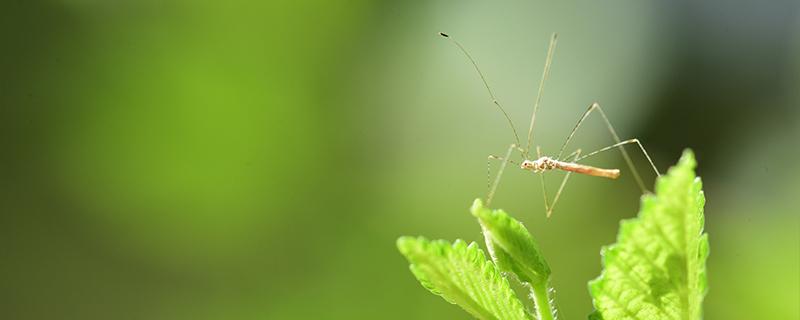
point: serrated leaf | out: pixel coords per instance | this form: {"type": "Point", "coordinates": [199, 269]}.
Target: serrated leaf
{"type": "Point", "coordinates": [510, 244]}
{"type": "Point", "coordinates": [461, 274]}
{"type": "Point", "coordinates": [514, 250]}
{"type": "Point", "coordinates": [657, 268]}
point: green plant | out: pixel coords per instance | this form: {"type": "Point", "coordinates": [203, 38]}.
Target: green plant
{"type": "Point", "coordinates": [655, 270]}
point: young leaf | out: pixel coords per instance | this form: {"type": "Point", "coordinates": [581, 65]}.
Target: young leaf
{"type": "Point", "coordinates": [515, 251]}
{"type": "Point", "coordinates": [657, 268]}
{"type": "Point", "coordinates": [461, 274]}
{"type": "Point", "coordinates": [511, 245]}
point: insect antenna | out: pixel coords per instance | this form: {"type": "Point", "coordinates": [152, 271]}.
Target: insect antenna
{"type": "Point", "coordinates": [485, 84]}
{"type": "Point", "coordinates": [549, 61]}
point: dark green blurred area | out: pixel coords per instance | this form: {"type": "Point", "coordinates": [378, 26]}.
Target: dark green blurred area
{"type": "Point", "coordinates": [257, 160]}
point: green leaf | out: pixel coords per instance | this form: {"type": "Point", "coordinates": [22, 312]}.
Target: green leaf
{"type": "Point", "coordinates": [515, 251]}
{"type": "Point", "coordinates": [595, 316]}
{"type": "Point", "coordinates": [511, 245]}
{"type": "Point", "coordinates": [657, 268]}
{"type": "Point", "coordinates": [461, 274]}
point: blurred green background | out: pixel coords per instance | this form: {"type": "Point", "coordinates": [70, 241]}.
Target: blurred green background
{"type": "Point", "coordinates": [257, 160]}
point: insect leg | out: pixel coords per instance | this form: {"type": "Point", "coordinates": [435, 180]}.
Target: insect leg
{"type": "Point", "coordinates": [596, 106]}
{"type": "Point", "coordinates": [619, 145]}
{"type": "Point", "coordinates": [551, 48]}
{"type": "Point", "coordinates": [577, 154]}
{"type": "Point", "coordinates": [544, 185]}
{"type": "Point", "coordinates": [505, 160]}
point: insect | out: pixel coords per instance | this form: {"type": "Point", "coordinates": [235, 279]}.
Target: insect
{"type": "Point", "coordinates": [542, 163]}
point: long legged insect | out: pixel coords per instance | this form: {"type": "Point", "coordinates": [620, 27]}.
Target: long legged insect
{"type": "Point", "coordinates": [542, 164]}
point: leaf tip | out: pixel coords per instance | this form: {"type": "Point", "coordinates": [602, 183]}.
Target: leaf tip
{"type": "Point", "coordinates": [687, 159]}
{"type": "Point", "coordinates": [477, 207]}
{"type": "Point", "coordinates": [403, 243]}
{"type": "Point", "coordinates": [408, 245]}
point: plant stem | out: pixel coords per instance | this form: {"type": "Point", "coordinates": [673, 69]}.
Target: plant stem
{"type": "Point", "coordinates": [541, 298]}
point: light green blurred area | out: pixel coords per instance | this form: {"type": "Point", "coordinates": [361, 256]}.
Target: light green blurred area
{"type": "Point", "coordinates": [257, 160]}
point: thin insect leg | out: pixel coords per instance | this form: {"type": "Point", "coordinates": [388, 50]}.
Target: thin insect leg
{"type": "Point", "coordinates": [493, 188]}
{"type": "Point", "coordinates": [620, 144]}
{"type": "Point", "coordinates": [551, 48]}
{"type": "Point", "coordinates": [544, 185]}
{"type": "Point", "coordinates": [489, 169]}
{"type": "Point", "coordinates": [494, 157]}
{"type": "Point", "coordinates": [489, 166]}
{"type": "Point", "coordinates": [571, 154]}
{"type": "Point", "coordinates": [628, 161]}
{"type": "Point", "coordinates": [577, 154]}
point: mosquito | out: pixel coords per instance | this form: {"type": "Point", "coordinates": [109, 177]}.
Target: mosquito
{"type": "Point", "coordinates": [542, 163]}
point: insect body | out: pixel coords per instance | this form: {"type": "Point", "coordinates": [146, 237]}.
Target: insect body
{"type": "Point", "coordinates": [542, 164]}
{"type": "Point", "coordinates": [546, 163]}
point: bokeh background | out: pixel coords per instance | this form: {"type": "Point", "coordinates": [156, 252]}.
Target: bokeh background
{"type": "Point", "coordinates": [257, 160]}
